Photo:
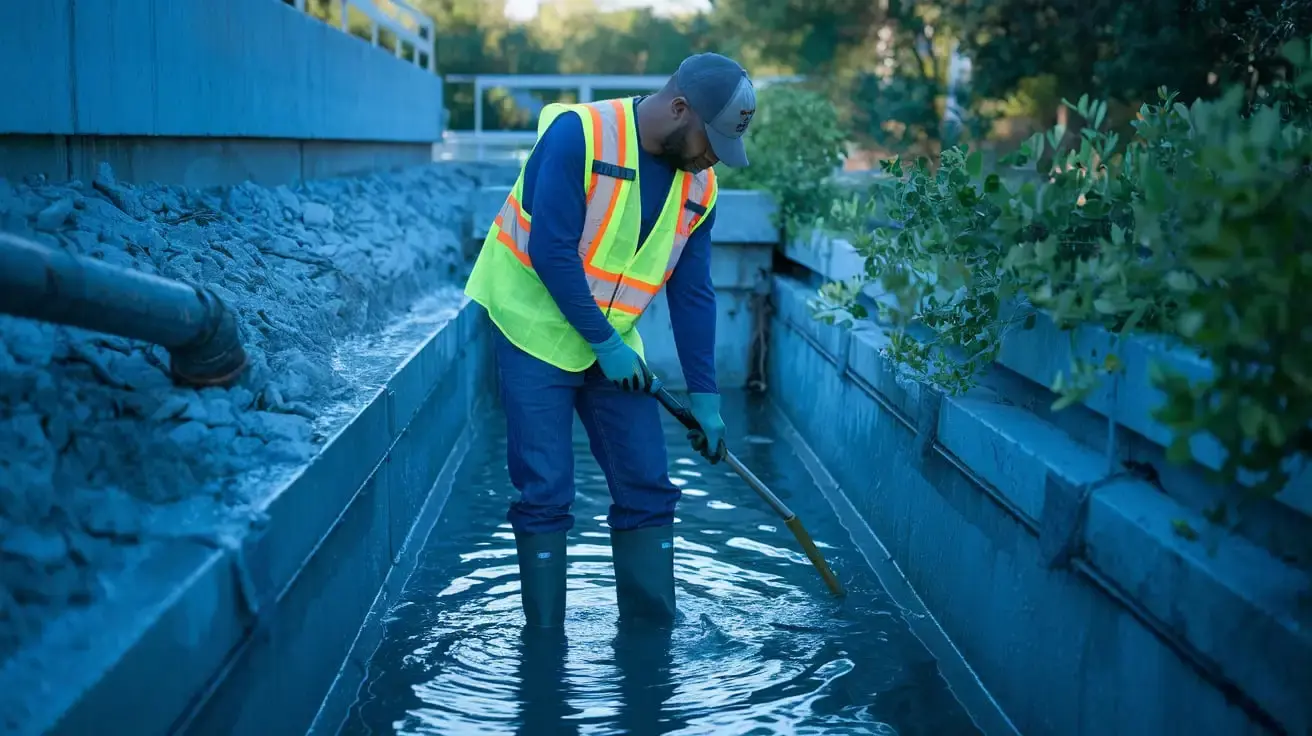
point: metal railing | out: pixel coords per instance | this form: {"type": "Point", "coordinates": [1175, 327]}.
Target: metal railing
{"type": "Point", "coordinates": [406, 24]}
{"type": "Point", "coordinates": [484, 144]}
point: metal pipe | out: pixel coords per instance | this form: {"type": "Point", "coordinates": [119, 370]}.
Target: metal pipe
{"type": "Point", "coordinates": [194, 325]}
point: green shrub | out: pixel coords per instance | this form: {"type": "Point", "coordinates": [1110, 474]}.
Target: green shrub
{"type": "Point", "coordinates": [794, 145]}
{"type": "Point", "coordinates": [1196, 230]}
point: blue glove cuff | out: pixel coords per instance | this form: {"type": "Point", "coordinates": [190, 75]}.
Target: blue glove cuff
{"type": "Point", "coordinates": [704, 404]}
{"type": "Point", "coordinates": [612, 344]}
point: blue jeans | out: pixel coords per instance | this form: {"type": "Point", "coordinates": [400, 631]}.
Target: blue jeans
{"type": "Point", "coordinates": [624, 431]}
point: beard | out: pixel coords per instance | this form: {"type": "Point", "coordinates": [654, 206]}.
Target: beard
{"type": "Point", "coordinates": [674, 150]}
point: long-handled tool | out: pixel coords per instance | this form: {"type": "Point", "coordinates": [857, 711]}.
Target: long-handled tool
{"type": "Point", "coordinates": [794, 524]}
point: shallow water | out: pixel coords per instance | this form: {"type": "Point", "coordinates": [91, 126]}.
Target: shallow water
{"type": "Point", "coordinates": [364, 363]}
{"type": "Point", "coordinates": [761, 646]}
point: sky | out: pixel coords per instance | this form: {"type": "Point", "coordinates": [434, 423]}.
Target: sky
{"type": "Point", "coordinates": [526, 9]}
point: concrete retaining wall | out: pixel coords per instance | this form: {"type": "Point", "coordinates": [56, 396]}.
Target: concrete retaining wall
{"type": "Point", "coordinates": [78, 72]}
{"type": "Point", "coordinates": [744, 241]}
{"type": "Point", "coordinates": [1140, 631]}
{"type": "Point", "coordinates": [249, 638]}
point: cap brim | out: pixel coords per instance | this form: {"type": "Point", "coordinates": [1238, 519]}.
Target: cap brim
{"type": "Point", "coordinates": [730, 151]}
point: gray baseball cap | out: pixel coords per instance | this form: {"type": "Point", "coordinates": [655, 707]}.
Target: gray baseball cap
{"type": "Point", "coordinates": [719, 91]}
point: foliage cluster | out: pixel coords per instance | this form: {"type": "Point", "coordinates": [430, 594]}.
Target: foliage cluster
{"type": "Point", "coordinates": [795, 144]}
{"type": "Point", "coordinates": [1196, 230]}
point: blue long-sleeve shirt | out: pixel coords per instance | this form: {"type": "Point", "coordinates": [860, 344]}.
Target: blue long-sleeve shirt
{"type": "Point", "coordinates": [553, 185]}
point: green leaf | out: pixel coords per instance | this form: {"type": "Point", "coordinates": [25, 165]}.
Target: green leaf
{"type": "Point", "coordinates": [975, 165]}
{"type": "Point", "coordinates": [1191, 322]}
{"type": "Point", "coordinates": [1296, 51]}
{"type": "Point", "coordinates": [1183, 530]}
{"type": "Point", "coordinates": [1179, 451]}
{"type": "Point", "coordinates": [1217, 513]}
{"type": "Point", "coordinates": [1251, 420]}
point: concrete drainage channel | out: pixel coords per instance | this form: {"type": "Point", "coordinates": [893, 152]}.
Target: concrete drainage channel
{"type": "Point", "coordinates": [247, 628]}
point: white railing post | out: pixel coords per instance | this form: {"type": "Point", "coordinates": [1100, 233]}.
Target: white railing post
{"type": "Point", "coordinates": [415, 28]}
{"type": "Point", "coordinates": [514, 142]}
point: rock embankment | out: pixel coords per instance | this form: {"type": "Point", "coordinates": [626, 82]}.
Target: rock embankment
{"type": "Point", "coordinates": [99, 451]}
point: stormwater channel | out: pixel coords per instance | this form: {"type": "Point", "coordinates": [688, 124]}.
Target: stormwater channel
{"type": "Point", "coordinates": [760, 647]}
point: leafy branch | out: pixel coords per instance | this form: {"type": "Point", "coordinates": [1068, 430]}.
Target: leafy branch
{"type": "Point", "coordinates": [1196, 230]}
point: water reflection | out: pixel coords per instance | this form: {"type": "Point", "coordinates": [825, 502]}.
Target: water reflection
{"type": "Point", "coordinates": [759, 648]}
{"type": "Point", "coordinates": [544, 688]}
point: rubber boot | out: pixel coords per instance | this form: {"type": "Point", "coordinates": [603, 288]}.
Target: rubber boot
{"type": "Point", "coordinates": [542, 578]}
{"type": "Point", "coordinates": [644, 574]}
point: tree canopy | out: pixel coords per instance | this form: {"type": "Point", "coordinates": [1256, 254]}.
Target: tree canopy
{"type": "Point", "coordinates": [885, 63]}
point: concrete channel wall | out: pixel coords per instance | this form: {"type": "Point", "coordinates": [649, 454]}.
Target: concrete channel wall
{"type": "Point", "coordinates": [1072, 594]}
{"type": "Point", "coordinates": [248, 639]}
{"type": "Point", "coordinates": [203, 93]}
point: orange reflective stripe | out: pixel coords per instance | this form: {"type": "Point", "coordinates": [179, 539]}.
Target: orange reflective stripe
{"type": "Point", "coordinates": [703, 188]}
{"type": "Point", "coordinates": [519, 212]}
{"type": "Point", "coordinates": [597, 222]}
{"type": "Point", "coordinates": [643, 286]}
{"type": "Point", "coordinates": [618, 298]}
{"type": "Point", "coordinates": [708, 189]}
{"type": "Point", "coordinates": [507, 240]}
{"type": "Point", "coordinates": [618, 306]}
{"type": "Point", "coordinates": [684, 228]}
{"type": "Point", "coordinates": [514, 236]}
{"type": "Point", "coordinates": [600, 142]}
{"type": "Point", "coordinates": [632, 300]}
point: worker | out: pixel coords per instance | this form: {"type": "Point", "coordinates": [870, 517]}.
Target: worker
{"type": "Point", "coordinates": [615, 201]}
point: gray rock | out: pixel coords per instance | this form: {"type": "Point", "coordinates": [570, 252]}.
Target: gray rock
{"type": "Point", "coordinates": [139, 373]}
{"type": "Point", "coordinates": [172, 407]}
{"type": "Point", "coordinates": [123, 198]}
{"type": "Point", "coordinates": [30, 342]}
{"type": "Point", "coordinates": [273, 426]}
{"type": "Point", "coordinates": [189, 435]}
{"type": "Point", "coordinates": [94, 438]}
{"type": "Point", "coordinates": [43, 547]}
{"type": "Point", "coordinates": [210, 411]}
{"type": "Point", "coordinates": [53, 217]}
{"type": "Point", "coordinates": [314, 214]}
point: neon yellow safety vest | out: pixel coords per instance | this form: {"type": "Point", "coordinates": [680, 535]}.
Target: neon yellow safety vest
{"type": "Point", "coordinates": [623, 278]}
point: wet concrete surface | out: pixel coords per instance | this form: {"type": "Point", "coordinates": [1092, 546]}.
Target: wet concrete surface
{"type": "Point", "coordinates": [760, 648]}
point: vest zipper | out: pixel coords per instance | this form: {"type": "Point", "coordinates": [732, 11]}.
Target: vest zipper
{"type": "Point", "coordinates": [613, 293]}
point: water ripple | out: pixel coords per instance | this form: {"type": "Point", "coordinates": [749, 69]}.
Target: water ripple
{"type": "Point", "coordinates": [759, 649]}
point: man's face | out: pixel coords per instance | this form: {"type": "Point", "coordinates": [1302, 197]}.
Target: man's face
{"type": "Point", "coordinates": [686, 145]}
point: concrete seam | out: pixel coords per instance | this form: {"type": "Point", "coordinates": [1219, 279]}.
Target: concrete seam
{"type": "Point", "coordinates": [1111, 450]}
{"type": "Point", "coordinates": [928, 409]}
{"type": "Point", "coordinates": [154, 67]}
{"type": "Point", "coordinates": [844, 353]}
{"type": "Point", "coordinates": [1061, 527]}
{"type": "Point", "coordinates": [72, 79]}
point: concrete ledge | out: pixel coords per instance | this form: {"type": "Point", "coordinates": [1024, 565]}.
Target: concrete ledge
{"type": "Point", "coordinates": [264, 620]}
{"type": "Point", "coordinates": [240, 68]}
{"type": "Point", "coordinates": [742, 216]}
{"type": "Point", "coordinates": [1146, 632]}
{"type": "Point", "coordinates": [1041, 353]}
{"type": "Point", "coordinates": [200, 162]}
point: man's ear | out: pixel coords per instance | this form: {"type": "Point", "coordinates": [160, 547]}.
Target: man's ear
{"type": "Point", "coordinates": [679, 108]}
